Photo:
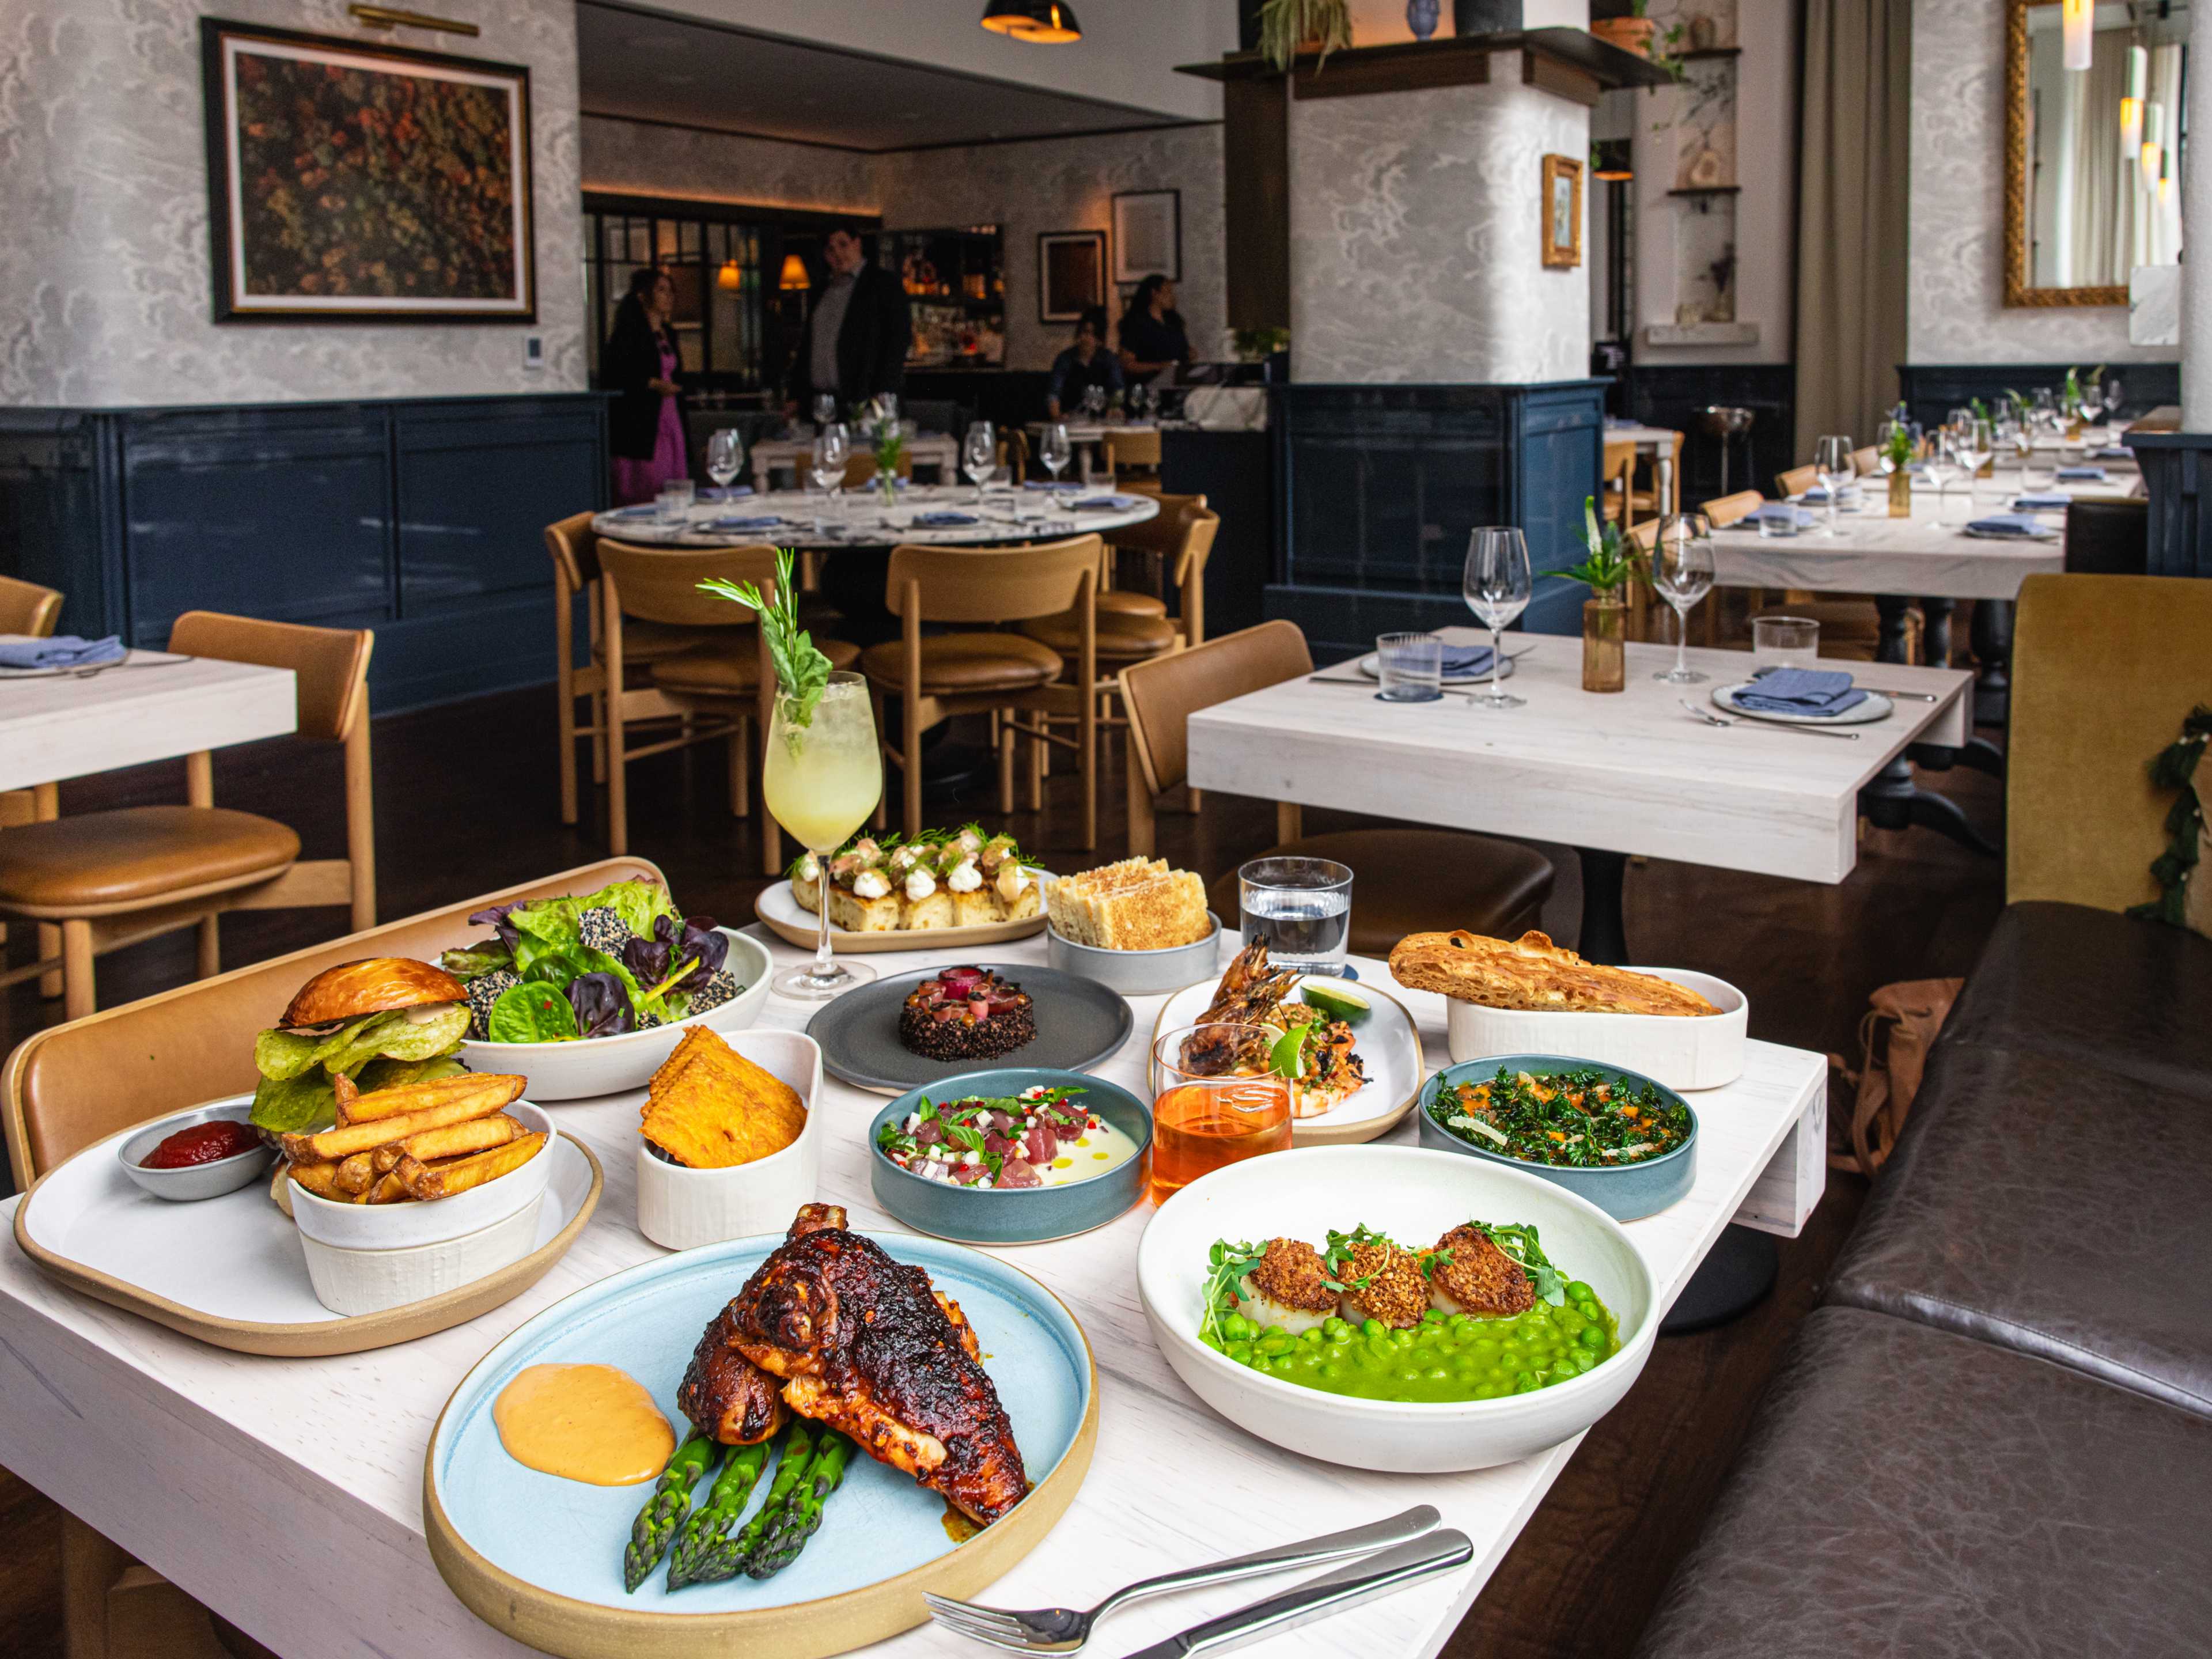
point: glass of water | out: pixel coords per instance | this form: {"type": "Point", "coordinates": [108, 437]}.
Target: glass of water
{"type": "Point", "coordinates": [1300, 908]}
{"type": "Point", "coordinates": [1410, 666]}
{"type": "Point", "coordinates": [675, 500]}
{"type": "Point", "coordinates": [1785, 641]}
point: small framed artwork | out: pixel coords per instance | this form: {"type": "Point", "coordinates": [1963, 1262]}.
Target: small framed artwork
{"type": "Point", "coordinates": [1562, 212]}
{"type": "Point", "coordinates": [350, 181]}
{"type": "Point", "coordinates": [1071, 274]}
{"type": "Point", "coordinates": [1147, 236]}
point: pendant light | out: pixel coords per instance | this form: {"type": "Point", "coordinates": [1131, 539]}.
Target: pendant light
{"type": "Point", "coordinates": [1040, 22]}
{"type": "Point", "coordinates": [793, 279]}
{"type": "Point", "coordinates": [2077, 21]}
{"type": "Point", "coordinates": [2153, 144]}
{"type": "Point", "coordinates": [730, 278]}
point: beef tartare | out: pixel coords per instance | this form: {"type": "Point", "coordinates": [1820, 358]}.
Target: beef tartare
{"type": "Point", "coordinates": [967, 1014]}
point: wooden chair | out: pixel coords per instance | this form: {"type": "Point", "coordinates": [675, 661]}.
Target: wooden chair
{"type": "Point", "coordinates": [112, 879]}
{"type": "Point", "coordinates": [2108, 538]}
{"type": "Point", "coordinates": [1159, 541]}
{"type": "Point", "coordinates": [1867, 460]}
{"type": "Point", "coordinates": [1014, 452]}
{"type": "Point", "coordinates": [28, 609]}
{"type": "Point", "coordinates": [1616, 489]}
{"type": "Point", "coordinates": [1796, 481]}
{"type": "Point", "coordinates": [67, 1086]}
{"type": "Point", "coordinates": [726, 687]}
{"type": "Point", "coordinates": [939, 676]}
{"type": "Point", "coordinates": [1724, 510]}
{"type": "Point", "coordinates": [1129, 634]}
{"type": "Point", "coordinates": [1133, 459]}
{"type": "Point", "coordinates": [860, 468]}
{"type": "Point", "coordinates": [1408, 880]}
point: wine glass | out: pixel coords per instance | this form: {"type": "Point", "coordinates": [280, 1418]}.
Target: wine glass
{"type": "Point", "coordinates": [2110, 400]}
{"type": "Point", "coordinates": [978, 455]}
{"type": "Point", "coordinates": [1055, 450]}
{"type": "Point", "coordinates": [822, 776]}
{"type": "Point", "coordinates": [1942, 465]}
{"type": "Point", "coordinates": [1975, 448]}
{"type": "Point", "coordinates": [1832, 459]}
{"type": "Point", "coordinates": [1094, 401]}
{"type": "Point", "coordinates": [1498, 584]}
{"type": "Point", "coordinates": [725, 457]}
{"type": "Point", "coordinates": [1683, 573]}
{"type": "Point", "coordinates": [827, 465]}
{"type": "Point", "coordinates": [825, 410]}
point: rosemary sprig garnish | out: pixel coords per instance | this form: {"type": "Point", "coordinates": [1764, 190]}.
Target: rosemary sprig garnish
{"type": "Point", "coordinates": [802, 671]}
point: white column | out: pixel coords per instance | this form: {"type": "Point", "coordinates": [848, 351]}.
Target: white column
{"type": "Point", "coordinates": [2197, 244]}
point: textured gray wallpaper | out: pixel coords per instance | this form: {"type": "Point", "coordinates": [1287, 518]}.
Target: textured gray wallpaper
{"type": "Point", "coordinates": [1415, 237]}
{"type": "Point", "coordinates": [103, 187]}
{"type": "Point", "coordinates": [631, 158]}
{"type": "Point", "coordinates": [1956, 305]}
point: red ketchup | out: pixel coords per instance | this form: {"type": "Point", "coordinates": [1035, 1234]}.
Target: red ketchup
{"type": "Point", "coordinates": [202, 1142]}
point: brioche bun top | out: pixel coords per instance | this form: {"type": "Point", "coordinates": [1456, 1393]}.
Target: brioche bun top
{"type": "Point", "coordinates": [373, 986]}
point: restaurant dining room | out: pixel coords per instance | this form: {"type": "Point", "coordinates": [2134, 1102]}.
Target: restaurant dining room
{"type": "Point", "coordinates": [1372, 827]}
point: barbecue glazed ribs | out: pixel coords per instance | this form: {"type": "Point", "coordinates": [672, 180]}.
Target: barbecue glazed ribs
{"type": "Point", "coordinates": [866, 1345]}
{"type": "Point", "coordinates": [731, 1400]}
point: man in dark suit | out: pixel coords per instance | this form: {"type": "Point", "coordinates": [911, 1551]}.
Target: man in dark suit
{"type": "Point", "coordinates": [855, 341]}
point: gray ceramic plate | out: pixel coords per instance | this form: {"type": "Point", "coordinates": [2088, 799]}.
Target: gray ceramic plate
{"type": "Point", "coordinates": [981, 1215]}
{"type": "Point", "coordinates": [199, 1181]}
{"type": "Point", "coordinates": [1078, 1024]}
{"type": "Point", "coordinates": [1626, 1194]}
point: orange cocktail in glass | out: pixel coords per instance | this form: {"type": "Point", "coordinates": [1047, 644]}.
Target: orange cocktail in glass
{"type": "Point", "coordinates": [1213, 1103]}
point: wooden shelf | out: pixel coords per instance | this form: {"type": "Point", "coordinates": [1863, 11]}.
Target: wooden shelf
{"type": "Point", "coordinates": [1707, 190]}
{"type": "Point", "coordinates": [1571, 63]}
{"type": "Point", "coordinates": [1697, 53]}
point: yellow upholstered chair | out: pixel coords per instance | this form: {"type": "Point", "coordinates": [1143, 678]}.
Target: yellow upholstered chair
{"type": "Point", "coordinates": [1133, 459]}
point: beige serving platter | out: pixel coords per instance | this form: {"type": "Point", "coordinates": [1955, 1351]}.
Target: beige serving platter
{"type": "Point", "coordinates": [779, 906]}
{"type": "Point", "coordinates": [201, 1268]}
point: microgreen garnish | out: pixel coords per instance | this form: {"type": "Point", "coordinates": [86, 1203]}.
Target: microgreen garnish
{"type": "Point", "coordinates": [1338, 1255]}
{"type": "Point", "coordinates": [1434, 1260]}
{"type": "Point", "coordinates": [1520, 1243]}
{"type": "Point", "coordinates": [1226, 1264]}
{"type": "Point", "coordinates": [802, 671]}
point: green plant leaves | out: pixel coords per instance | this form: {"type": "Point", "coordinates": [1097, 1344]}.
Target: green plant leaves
{"type": "Point", "coordinates": [532, 1013]}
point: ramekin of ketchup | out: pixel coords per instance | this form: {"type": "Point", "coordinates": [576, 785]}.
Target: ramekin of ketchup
{"type": "Point", "coordinates": [202, 1142]}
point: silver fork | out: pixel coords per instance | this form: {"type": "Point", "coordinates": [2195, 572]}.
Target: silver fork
{"type": "Point", "coordinates": [1767, 726]}
{"type": "Point", "coordinates": [1064, 1630]}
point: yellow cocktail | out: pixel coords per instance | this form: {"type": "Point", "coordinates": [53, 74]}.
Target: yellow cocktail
{"type": "Point", "coordinates": [820, 781]}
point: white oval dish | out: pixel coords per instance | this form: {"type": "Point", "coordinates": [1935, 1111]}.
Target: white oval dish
{"type": "Point", "coordinates": [1700, 1051]}
{"type": "Point", "coordinates": [400, 1226]}
{"type": "Point", "coordinates": [682, 1208]}
{"type": "Point", "coordinates": [353, 1282]}
{"type": "Point", "coordinates": [1415, 1196]}
{"type": "Point", "coordinates": [611, 1065]}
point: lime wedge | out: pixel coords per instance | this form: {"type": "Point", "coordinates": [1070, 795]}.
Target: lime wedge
{"type": "Point", "coordinates": [1287, 1057]}
{"type": "Point", "coordinates": [1335, 1001]}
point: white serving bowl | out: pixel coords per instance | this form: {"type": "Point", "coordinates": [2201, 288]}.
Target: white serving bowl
{"type": "Point", "coordinates": [612, 1065]}
{"type": "Point", "coordinates": [436, 1221]}
{"type": "Point", "coordinates": [682, 1207]}
{"type": "Point", "coordinates": [1415, 1196]}
{"type": "Point", "coordinates": [1701, 1051]}
{"type": "Point", "coordinates": [353, 1282]}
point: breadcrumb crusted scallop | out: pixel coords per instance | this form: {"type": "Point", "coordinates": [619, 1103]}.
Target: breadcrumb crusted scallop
{"type": "Point", "coordinates": [1383, 1282]}
{"type": "Point", "coordinates": [1290, 1287]}
{"type": "Point", "coordinates": [1469, 1274]}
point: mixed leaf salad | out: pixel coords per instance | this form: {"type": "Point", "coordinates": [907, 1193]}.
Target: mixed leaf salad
{"type": "Point", "coordinates": [596, 964]}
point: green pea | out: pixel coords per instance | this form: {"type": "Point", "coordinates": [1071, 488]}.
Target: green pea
{"type": "Point", "coordinates": [1409, 1375]}
{"type": "Point", "coordinates": [1526, 1383]}
{"type": "Point", "coordinates": [1311, 1334]}
{"type": "Point", "coordinates": [1432, 1316]}
{"type": "Point", "coordinates": [1373, 1356]}
{"type": "Point", "coordinates": [1488, 1391]}
{"type": "Point", "coordinates": [1591, 1337]}
{"type": "Point", "coordinates": [1334, 1329]}
{"type": "Point", "coordinates": [1241, 1352]}
{"type": "Point", "coordinates": [1275, 1342]}
{"type": "Point", "coordinates": [1330, 1371]}
{"type": "Point", "coordinates": [1438, 1374]}
{"type": "Point", "coordinates": [1238, 1328]}
{"type": "Point", "coordinates": [1403, 1338]}
{"type": "Point", "coordinates": [1578, 1291]}
{"type": "Point", "coordinates": [1373, 1327]}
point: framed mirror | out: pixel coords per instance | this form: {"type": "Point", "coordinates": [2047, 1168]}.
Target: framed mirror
{"type": "Point", "coordinates": [2093, 157]}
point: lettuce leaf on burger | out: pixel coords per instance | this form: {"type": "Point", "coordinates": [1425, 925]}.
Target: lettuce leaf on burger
{"type": "Point", "coordinates": [383, 1021]}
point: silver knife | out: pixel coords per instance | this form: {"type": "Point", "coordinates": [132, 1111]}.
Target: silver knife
{"type": "Point", "coordinates": [1365, 1580]}
{"type": "Point", "coordinates": [1917, 697]}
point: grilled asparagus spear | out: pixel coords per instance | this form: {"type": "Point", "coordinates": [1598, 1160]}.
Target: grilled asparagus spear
{"type": "Point", "coordinates": [664, 1511]}
{"type": "Point", "coordinates": [713, 1518]}
{"type": "Point", "coordinates": [726, 1558]}
{"type": "Point", "coordinates": [802, 1512]}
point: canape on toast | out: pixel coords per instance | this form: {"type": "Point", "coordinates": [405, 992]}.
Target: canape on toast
{"type": "Point", "coordinates": [946, 879]}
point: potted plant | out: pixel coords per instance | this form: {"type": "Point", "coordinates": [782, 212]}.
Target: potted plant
{"type": "Point", "coordinates": [1631, 34]}
{"type": "Point", "coordinates": [1607, 570]}
{"type": "Point", "coordinates": [1287, 26]}
{"type": "Point", "coordinates": [1897, 454]}
{"type": "Point", "coordinates": [890, 449]}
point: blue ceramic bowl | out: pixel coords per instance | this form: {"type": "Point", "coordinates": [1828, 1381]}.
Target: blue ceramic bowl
{"type": "Point", "coordinates": [1626, 1194]}
{"type": "Point", "coordinates": [1027, 1215]}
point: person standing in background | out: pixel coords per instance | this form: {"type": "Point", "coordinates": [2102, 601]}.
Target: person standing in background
{"type": "Point", "coordinates": [855, 341]}
{"type": "Point", "coordinates": [645, 426]}
{"type": "Point", "coordinates": [1152, 337]}
{"type": "Point", "coordinates": [1083, 365]}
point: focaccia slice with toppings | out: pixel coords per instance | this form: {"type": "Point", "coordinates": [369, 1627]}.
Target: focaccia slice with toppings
{"type": "Point", "coordinates": [1532, 972]}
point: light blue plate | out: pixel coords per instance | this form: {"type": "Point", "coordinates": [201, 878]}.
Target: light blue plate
{"type": "Point", "coordinates": [565, 1538]}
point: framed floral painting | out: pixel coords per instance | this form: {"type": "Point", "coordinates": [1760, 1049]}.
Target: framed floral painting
{"type": "Point", "coordinates": [356, 182]}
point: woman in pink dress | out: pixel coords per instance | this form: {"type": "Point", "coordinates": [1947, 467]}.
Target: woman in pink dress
{"type": "Point", "coordinates": [645, 426]}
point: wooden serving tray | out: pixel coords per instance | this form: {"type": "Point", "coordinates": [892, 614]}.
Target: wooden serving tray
{"type": "Point", "coordinates": [229, 1270]}
{"type": "Point", "coordinates": [779, 907]}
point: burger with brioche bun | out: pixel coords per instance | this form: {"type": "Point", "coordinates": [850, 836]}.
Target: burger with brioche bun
{"type": "Point", "coordinates": [379, 1022]}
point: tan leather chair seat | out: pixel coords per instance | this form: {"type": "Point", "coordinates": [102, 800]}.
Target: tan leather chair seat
{"type": "Point", "coordinates": [1129, 603]}
{"type": "Point", "coordinates": [645, 641]}
{"type": "Point", "coordinates": [1421, 881]}
{"type": "Point", "coordinates": [959, 663]}
{"type": "Point", "coordinates": [734, 672]}
{"type": "Point", "coordinates": [1122, 634]}
{"type": "Point", "coordinates": [81, 866]}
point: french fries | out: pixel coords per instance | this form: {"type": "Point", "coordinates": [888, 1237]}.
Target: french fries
{"type": "Point", "coordinates": [355, 1175]}
{"type": "Point", "coordinates": [463, 1174]}
{"type": "Point", "coordinates": [405, 1098]}
{"type": "Point", "coordinates": [320, 1178]}
{"type": "Point", "coordinates": [425, 1106]}
{"type": "Point", "coordinates": [478, 1134]}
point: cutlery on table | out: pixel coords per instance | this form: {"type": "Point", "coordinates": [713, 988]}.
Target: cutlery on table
{"type": "Point", "coordinates": [1768, 725]}
{"type": "Point", "coordinates": [1329, 679]}
{"type": "Point", "coordinates": [1917, 697]}
{"type": "Point", "coordinates": [1063, 1630]}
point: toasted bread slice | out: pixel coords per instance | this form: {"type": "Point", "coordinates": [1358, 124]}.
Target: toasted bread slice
{"type": "Point", "coordinates": [1532, 972]}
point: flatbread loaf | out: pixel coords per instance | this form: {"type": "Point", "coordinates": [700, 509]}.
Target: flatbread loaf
{"type": "Point", "coordinates": [1532, 972]}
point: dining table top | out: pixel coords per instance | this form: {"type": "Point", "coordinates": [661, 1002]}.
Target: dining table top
{"type": "Point", "coordinates": [1631, 771]}
{"type": "Point", "coordinates": [791, 518]}
{"type": "Point", "coordinates": [152, 706]}
{"type": "Point", "coordinates": [287, 1493]}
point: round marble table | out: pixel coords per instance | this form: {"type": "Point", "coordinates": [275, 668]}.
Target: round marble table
{"type": "Point", "coordinates": [862, 520]}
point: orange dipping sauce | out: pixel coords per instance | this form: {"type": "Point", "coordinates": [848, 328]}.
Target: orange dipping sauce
{"type": "Point", "coordinates": [1199, 1127]}
{"type": "Point", "coordinates": [588, 1422]}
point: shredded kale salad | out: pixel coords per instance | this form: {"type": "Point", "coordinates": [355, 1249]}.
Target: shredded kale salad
{"type": "Point", "coordinates": [1580, 1119]}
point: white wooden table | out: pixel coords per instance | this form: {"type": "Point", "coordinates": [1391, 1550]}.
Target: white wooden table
{"type": "Point", "coordinates": [1612, 774]}
{"type": "Point", "coordinates": [286, 1494]}
{"type": "Point", "coordinates": [55, 728]}
{"type": "Point", "coordinates": [1923, 556]}
{"type": "Point", "coordinates": [1088, 438]}
{"type": "Point", "coordinates": [862, 520]}
{"type": "Point", "coordinates": [936, 449]}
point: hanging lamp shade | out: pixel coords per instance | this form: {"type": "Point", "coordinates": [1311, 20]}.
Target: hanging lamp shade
{"type": "Point", "coordinates": [793, 279]}
{"type": "Point", "coordinates": [2077, 24]}
{"type": "Point", "coordinates": [1040, 22]}
{"type": "Point", "coordinates": [730, 276]}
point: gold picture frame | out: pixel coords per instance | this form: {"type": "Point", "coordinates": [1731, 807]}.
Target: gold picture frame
{"type": "Point", "coordinates": [1562, 212]}
{"type": "Point", "coordinates": [2019, 290]}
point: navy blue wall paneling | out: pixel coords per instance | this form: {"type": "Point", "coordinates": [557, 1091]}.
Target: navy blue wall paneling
{"type": "Point", "coordinates": [1932, 391]}
{"type": "Point", "coordinates": [1670, 396]}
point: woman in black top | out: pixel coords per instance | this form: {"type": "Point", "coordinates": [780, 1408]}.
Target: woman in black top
{"type": "Point", "coordinates": [1082, 365]}
{"type": "Point", "coordinates": [1151, 331]}
{"type": "Point", "coordinates": [645, 426]}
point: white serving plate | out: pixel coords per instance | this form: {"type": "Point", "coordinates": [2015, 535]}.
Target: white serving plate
{"type": "Point", "coordinates": [614, 1064]}
{"type": "Point", "coordinates": [1388, 1041]}
{"type": "Point", "coordinates": [1703, 1052]}
{"type": "Point", "coordinates": [1415, 1196]}
{"type": "Point", "coordinates": [682, 1208]}
{"type": "Point", "coordinates": [1875, 707]}
{"type": "Point", "coordinates": [402, 1226]}
{"type": "Point", "coordinates": [779, 906]}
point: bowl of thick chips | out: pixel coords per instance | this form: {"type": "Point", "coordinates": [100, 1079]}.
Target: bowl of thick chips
{"type": "Point", "coordinates": [728, 1142]}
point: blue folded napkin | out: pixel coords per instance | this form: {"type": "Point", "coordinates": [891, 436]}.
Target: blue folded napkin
{"type": "Point", "coordinates": [759, 521]}
{"type": "Point", "coordinates": [731, 493]}
{"type": "Point", "coordinates": [2011, 524]}
{"type": "Point", "coordinates": [1040, 483]}
{"type": "Point", "coordinates": [942, 521]}
{"type": "Point", "coordinates": [1466, 659]}
{"type": "Point", "coordinates": [1800, 691]}
{"type": "Point", "coordinates": [1782, 512]}
{"type": "Point", "coordinates": [1106, 504]}
{"type": "Point", "coordinates": [62, 651]}
{"type": "Point", "coordinates": [1818, 495]}
{"type": "Point", "coordinates": [2049, 500]}
{"type": "Point", "coordinates": [2082, 475]}
{"type": "Point", "coordinates": [2113, 453]}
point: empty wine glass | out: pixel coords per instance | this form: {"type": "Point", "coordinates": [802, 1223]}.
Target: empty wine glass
{"type": "Point", "coordinates": [827, 464]}
{"type": "Point", "coordinates": [1941, 464]}
{"type": "Point", "coordinates": [1094, 401]}
{"type": "Point", "coordinates": [725, 457]}
{"type": "Point", "coordinates": [2110, 400]}
{"type": "Point", "coordinates": [1498, 583]}
{"type": "Point", "coordinates": [1055, 450]}
{"type": "Point", "coordinates": [1832, 459]}
{"type": "Point", "coordinates": [825, 410]}
{"type": "Point", "coordinates": [1976, 449]}
{"type": "Point", "coordinates": [978, 455]}
{"type": "Point", "coordinates": [1681, 574]}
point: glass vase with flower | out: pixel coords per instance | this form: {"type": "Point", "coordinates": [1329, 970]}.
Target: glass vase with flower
{"type": "Point", "coordinates": [889, 448]}
{"type": "Point", "coordinates": [1608, 568]}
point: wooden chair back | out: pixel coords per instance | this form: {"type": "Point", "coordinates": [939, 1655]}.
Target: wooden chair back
{"type": "Point", "coordinates": [1137, 449]}
{"type": "Point", "coordinates": [330, 666]}
{"type": "Point", "coordinates": [991, 583]}
{"type": "Point", "coordinates": [1725, 510]}
{"type": "Point", "coordinates": [1163, 694]}
{"type": "Point", "coordinates": [2108, 538]}
{"type": "Point", "coordinates": [1796, 481]}
{"type": "Point", "coordinates": [1163, 532]}
{"type": "Point", "coordinates": [575, 547]}
{"type": "Point", "coordinates": [661, 584]}
{"type": "Point", "coordinates": [1866, 460]}
{"type": "Point", "coordinates": [860, 468]}
{"type": "Point", "coordinates": [1620, 478]}
{"type": "Point", "coordinates": [27, 608]}
{"type": "Point", "coordinates": [1014, 452]}
{"type": "Point", "coordinates": [70, 1086]}
{"type": "Point", "coordinates": [2104, 669]}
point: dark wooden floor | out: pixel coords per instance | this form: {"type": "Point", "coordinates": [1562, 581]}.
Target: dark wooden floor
{"type": "Point", "coordinates": [466, 803]}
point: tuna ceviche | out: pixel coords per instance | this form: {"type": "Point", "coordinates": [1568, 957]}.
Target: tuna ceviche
{"type": "Point", "coordinates": [1033, 1138]}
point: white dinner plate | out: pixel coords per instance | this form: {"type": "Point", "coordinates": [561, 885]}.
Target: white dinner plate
{"type": "Point", "coordinates": [793, 923]}
{"type": "Point", "coordinates": [1875, 707]}
{"type": "Point", "coordinates": [1369, 666]}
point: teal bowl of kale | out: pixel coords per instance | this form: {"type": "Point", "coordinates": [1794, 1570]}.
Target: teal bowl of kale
{"type": "Point", "coordinates": [1618, 1138]}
